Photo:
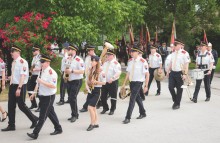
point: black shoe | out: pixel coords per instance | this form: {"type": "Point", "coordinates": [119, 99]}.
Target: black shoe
{"type": "Point", "coordinates": [91, 127]}
{"type": "Point", "coordinates": [103, 111]}
{"type": "Point", "coordinates": [194, 100]}
{"type": "Point", "coordinates": [126, 121]}
{"type": "Point", "coordinates": [34, 124]}
{"type": "Point", "coordinates": [38, 110]}
{"type": "Point", "coordinates": [174, 104]}
{"type": "Point", "coordinates": [96, 126]}
{"type": "Point", "coordinates": [60, 103]}
{"type": "Point", "coordinates": [72, 119]}
{"type": "Point", "coordinates": [33, 106]}
{"type": "Point", "coordinates": [83, 110]}
{"type": "Point", "coordinates": [32, 135]}
{"type": "Point", "coordinates": [56, 132]}
{"type": "Point", "coordinates": [141, 116]}
{"type": "Point", "coordinates": [111, 113]}
{"type": "Point", "coordinates": [157, 94]}
{"type": "Point", "coordinates": [8, 129]}
{"type": "Point", "coordinates": [176, 107]}
{"type": "Point", "coordinates": [207, 99]}
{"type": "Point", "coordinates": [67, 101]}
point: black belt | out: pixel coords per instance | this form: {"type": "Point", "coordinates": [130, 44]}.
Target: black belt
{"type": "Point", "coordinates": [203, 66]}
{"type": "Point", "coordinates": [136, 82]}
{"type": "Point", "coordinates": [46, 95]}
{"type": "Point", "coordinates": [176, 71]}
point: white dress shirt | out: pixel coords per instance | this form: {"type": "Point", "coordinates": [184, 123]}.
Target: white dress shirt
{"type": "Point", "coordinates": [2, 66]}
{"type": "Point", "coordinates": [206, 60]}
{"type": "Point", "coordinates": [178, 59]}
{"type": "Point", "coordinates": [20, 68]}
{"type": "Point", "coordinates": [112, 70]}
{"type": "Point", "coordinates": [50, 76]}
{"type": "Point", "coordinates": [140, 69]}
{"type": "Point", "coordinates": [36, 62]}
{"type": "Point", "coordinates": [155, 60]}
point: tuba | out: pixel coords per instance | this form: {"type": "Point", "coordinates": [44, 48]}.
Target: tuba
{"type": "Point", "coordinates": [67, 65]}
{"type": "Point", "coordinates": [106, 46]}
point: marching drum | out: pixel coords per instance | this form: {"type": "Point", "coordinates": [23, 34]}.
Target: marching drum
{"type": "Point", "coordinates": [197, 74]}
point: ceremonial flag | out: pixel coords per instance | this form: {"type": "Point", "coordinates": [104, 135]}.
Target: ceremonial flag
{"type": "Point", "coordinates": [131, 35]}
{"type": "Point", "coordinates": [147, 35]}
{"type": "Point", "coordinates": [156, 35]}
{"type": "Point", "coordinates": [173, 33]}
{"type": "Point", "coordinates": [205, 38]}
{"type": "Point", "coordinates": [141, 36]}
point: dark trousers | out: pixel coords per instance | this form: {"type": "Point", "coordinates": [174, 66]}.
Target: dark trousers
{"type": "Point", "coordinates": [175, 80]}
{"type": "Point", "coordinates": [110, 89]}
{"type": "Point", "coordinates": [73, 90]}
{"type": "Point", "coordinates": [63, 87]}
{"type": "Point", "coordinates": [31, 86]}
{"type": "Point", "coordinates": [12, 100]}
{"type": "Point", "coordinates": [151, 71]}
{"type": "Point", "coordinates": [212, 74]}
{"type": "Point", "coordinates": [47, 110]}
{"type": "Point", "coordinates": [207, 86]}
{"type": "Point", "coordinates": [135, 88]}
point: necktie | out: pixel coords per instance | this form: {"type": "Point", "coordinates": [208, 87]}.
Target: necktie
{"type": "Point", "coordinates": [132, 71]}
{"type": "Point", "coordinates": [106, 70]}
{"type": "Point", "coordinates": [12, 71]}
{"type": "Point", "coordinates": [174, 63]}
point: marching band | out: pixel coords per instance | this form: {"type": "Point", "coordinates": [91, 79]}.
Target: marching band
{"type": "Point", "coordinates": [101, 80]}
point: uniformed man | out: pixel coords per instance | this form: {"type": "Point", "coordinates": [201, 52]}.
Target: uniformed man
{"type": "Point", "coordinates": [179, 63]}
{"type": "Point", "coordinates": [17, 89]}
{"type": "Point", "coordinates": [63, 85]}
{"type": "Point", "coordinates": [204, 61]}
{"type": "Point", "coordinates": [163, 52]}
{"type": "Point", "coordinates": [47, 83]}
{"type": "Point", "coordinates": [75, 71]}
{"type": "Point", "coordinates": [168, 58]}
{"type": "Point", "coordinates": [35, 70]}
{"type": "Point", "coordinates": [137, 72]}
{"type": "Point", "coordinates": [112, 71]}
{"type": "Point", "coordinates": [91, 52]}
{"type": "Point", "coordinates": [155, 62]}
{"type": "Point", "coordinates": [215, 56]}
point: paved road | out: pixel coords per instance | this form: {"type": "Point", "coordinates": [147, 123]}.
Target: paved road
{"type": "Point", "coordinates": [193, 123]}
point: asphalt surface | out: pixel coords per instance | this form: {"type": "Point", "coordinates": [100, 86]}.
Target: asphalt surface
{"type": "Point", "coordinates": [192, 123]}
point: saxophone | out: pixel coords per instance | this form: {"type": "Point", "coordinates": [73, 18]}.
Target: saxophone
{"type": "Point", "coordinates": [91, 85]}
{"type": "Point", "coordinates": [67, 65]}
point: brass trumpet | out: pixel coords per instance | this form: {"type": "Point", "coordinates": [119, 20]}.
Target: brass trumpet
{"type": "Point", "coordinates": [67, 65]}
{"type": "Point", "coordinates": [106, 46]}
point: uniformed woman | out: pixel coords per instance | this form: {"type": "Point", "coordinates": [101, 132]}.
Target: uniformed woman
{"type": "Point", "coordinates": [94, 82]}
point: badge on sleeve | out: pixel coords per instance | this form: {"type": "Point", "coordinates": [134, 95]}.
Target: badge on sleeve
{"type": "Point", "coordinates": [81, 65]}
{"type": "Point", "coordinates": [50, 71]}
{"type": "Point", "coordinates": [21, 61]}
{"type": "Point", "coordinates": [103, 75]}
{"type": "Point", "coordinates": [3, 67]}
{"type": "Point", "coordinates": [54, 80]}
{"type": "Point", "coordinates": [24, 69]}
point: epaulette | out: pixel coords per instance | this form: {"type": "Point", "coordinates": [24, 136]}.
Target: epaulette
{"type": "Point", "coordinates": [50, 71]}
{"type": "Point", "coordinates": [78, 59]}
{"type": "Point", "coordinates": [209, 53]}
{"type": "Point", "coordinates": [183, 51]}
{"type": "Point", "coordinates": [142, 60]}
{"type": "Point", "coordinates": [130, 59]}
{"type": "Point", "coordinates": [1, 61]}
{"type": "Point", "coordinates": [115, 62]}
{"type": "Point", "coordinates": [22, 61]}
{"type": "Point", "coordinates": [158, 55]}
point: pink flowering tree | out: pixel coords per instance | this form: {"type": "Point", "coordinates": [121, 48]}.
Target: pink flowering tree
{"type": "Point", "coordinates": [29, 29]}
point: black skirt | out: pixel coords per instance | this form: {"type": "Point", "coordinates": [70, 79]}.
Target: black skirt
{"type": "Point", "coordinates": [93, 97]}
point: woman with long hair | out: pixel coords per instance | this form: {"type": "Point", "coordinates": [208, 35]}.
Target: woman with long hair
{"type": "Point", "coordinates": [94, 82]}
{"type": "Point", "coordinates": [2, 84]}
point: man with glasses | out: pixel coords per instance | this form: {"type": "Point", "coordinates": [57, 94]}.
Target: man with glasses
{"type": "Point", "coordinates": [17, 89]}
{"type": "Point", "coordinates": [47, 83]}
{"type": "Point", "coordinates": [35, 70]}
